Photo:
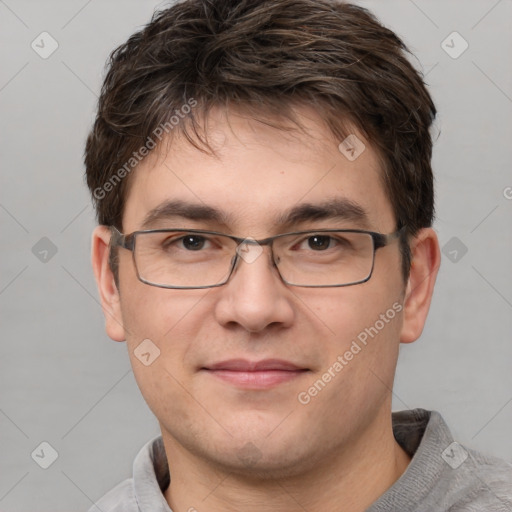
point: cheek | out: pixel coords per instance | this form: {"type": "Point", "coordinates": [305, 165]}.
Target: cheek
{"type": "Point", "coordinates": [159, 346]}
{"type": "Point", "coordinates": [364, 326]}
{"type": "Point", "coordinates": [156, 313]}
{"type": "Point", "coordinates": [359, 372]}
{"type": "Point", "coordinates": [157, 323]}
{"type": "Point", "coordinates": [347, 311]}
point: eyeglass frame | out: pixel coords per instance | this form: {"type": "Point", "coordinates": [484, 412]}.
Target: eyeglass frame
{"type": "Point", "coordinates": [127, 241]}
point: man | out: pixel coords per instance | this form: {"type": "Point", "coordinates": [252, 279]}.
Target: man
{"type": "Point", "coordinates": [262, 177]}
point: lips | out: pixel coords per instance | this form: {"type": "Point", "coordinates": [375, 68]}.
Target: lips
{"type": "Point", "coordinates": [255, 374]}
{"type": "Point", "coordinates": [242, 365]}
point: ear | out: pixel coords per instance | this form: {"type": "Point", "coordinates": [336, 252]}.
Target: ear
{"type": "Point", "coordinates": [109, 294]}
{"type": "Point", "coordinates": [426, 258]}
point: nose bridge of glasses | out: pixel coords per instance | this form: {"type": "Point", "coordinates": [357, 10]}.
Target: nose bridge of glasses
{"type": "Point", "coordinates": [250, 249]}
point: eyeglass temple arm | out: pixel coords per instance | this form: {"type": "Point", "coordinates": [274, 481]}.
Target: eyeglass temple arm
{"type": "Point", "coordinates": [382, 240]}
{"type": "Point", "coordinates": [118, 239]}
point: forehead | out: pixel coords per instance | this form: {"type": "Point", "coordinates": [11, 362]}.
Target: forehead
{"type": "Point", "coordinates": [261, 178]}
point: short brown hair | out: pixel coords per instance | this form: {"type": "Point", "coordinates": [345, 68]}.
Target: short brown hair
{"type": "Point", "coordinates": [266, 56]}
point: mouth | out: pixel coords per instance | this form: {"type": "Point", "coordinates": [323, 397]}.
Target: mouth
{"type": "Point", "coordinates": [255, 374]}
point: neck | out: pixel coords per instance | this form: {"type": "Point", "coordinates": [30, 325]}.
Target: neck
{"type": "Point", "coordinates": [353, 477]}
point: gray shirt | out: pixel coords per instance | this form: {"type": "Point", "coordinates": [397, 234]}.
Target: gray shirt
{"type": "Point", "coordinates": [442, 475]}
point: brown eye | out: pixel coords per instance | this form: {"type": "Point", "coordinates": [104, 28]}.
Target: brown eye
{"type": "Point", "coordinates": [189, 242]}
{"type": "Point", "coordinates": [193, 242]}
{"type": "Point", "coordinates": [319, 242]}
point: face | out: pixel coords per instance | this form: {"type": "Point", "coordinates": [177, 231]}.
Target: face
{"type": "Point", "coordinates": [286, 423]}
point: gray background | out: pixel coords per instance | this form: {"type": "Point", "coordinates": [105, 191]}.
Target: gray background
{"type": "Point", "coordinates": [65, 382]}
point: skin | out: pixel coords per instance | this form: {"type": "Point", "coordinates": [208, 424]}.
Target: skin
{"type": "Point", "coordinates": [257, 450]}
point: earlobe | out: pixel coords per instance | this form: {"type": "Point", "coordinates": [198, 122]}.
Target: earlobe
{"type": "Point", "coordinates": [109, 294]}
{"type": "Point", "coordinates": [426, 258]}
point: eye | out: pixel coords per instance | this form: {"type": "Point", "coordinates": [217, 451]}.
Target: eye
{"type": "Point", "coordinates": [321, 242]}
{"type": "Point", "coordinates": [318, 242]}
{"type": "Point", "coordinates": [193, 242]}
{"type": "Point", "coordinates": [190, 241]}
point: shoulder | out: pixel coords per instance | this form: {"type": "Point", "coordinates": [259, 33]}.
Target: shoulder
{"type": "Point", "coordinates": [119, 499]}
{"type": "Point", "coordinates": [472, 480]}
{"type": "Point", "coordinates": [489, 483]}
{"type": "Point", "coordinates": [444, 475]}
{"type": "Point", "coordinates": [479, 480]}
{"type": "Point", "coordinates": [144, 490]}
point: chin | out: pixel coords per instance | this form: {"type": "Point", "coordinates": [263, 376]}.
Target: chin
{"type": "Point", "coordinates": [255, 463]}
{"type": "Point", "coordinates": [261, 457]}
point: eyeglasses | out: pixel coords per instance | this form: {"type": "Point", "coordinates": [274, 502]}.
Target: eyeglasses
{"type": "Point", "coordinates": [193, 258]}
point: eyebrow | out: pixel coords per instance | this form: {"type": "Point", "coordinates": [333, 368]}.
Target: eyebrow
{"type": "Point", "coordinates": [338, 208]}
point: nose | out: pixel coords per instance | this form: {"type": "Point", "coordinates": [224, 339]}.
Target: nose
{"type": "Point", "coordinates": [255, 297]}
